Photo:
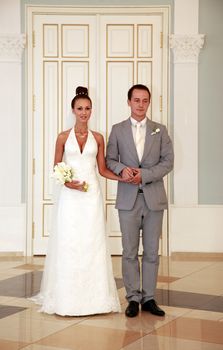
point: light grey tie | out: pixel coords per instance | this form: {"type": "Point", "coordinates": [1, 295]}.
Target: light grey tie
{"type": "Point", "coordinates": [139, 140]}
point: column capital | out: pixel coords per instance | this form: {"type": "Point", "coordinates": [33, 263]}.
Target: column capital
{"type": "Point", "coordinates": [186, 48]}
{"type": "Point", "coordinates": [11, 47]}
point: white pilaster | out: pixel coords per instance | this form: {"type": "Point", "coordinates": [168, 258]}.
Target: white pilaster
{"type": "Point", "coordinates": [193, 227]}
{"type": "Point", "coordinates": [186, 44]}
{"type": "Point", "coordinates": [12, 211]}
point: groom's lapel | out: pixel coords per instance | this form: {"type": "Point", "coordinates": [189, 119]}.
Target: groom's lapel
{"type": "Point", "coordinates": [127, 134]}
{"type": "Point", "coordinates": [149, 138]}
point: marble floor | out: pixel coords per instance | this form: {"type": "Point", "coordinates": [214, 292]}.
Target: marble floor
{"type": "Point", "coordinates": [190, 291]}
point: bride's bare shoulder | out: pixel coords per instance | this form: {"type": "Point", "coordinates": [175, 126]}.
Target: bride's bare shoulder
{"type": "Point", "coordinates": [98, 136]}
{"type": "Point", "coordinates": [62, 137]}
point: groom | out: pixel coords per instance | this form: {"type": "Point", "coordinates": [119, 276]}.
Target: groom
{"type": "Point", "coordinates": [141, 151]}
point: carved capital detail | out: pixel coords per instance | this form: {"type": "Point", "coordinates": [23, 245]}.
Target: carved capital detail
{"type": "Point", "coordinates": [11, 47]}
{"type": "Point", "coordinates": [186, 48]}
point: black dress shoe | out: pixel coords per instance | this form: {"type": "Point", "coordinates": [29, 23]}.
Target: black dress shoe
{"type": "Point", "coordinates": [132, 309]}
{"type": "Point", "coordinates": [152, 307]}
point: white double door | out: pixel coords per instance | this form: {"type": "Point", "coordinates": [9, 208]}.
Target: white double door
{"type": "Point", "coordinates": [107, 53]}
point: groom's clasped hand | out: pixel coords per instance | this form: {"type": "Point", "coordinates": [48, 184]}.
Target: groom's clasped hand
{"type": "Point", "coordinates": [131, 175]}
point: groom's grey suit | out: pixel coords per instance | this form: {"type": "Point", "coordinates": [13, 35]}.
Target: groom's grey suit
{"type": "Point", "coordinates": [140, 211]}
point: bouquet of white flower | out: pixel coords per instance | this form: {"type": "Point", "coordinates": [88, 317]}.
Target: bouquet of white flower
{"type": "Point", "coordinates": [63, 173]}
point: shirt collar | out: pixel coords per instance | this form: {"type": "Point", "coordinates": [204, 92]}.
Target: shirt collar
{"type": "Point", "coordinates": [134, 122]}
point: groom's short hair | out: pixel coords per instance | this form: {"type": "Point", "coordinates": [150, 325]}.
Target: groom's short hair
{"type": "Point", "coordinates": [138, 87]}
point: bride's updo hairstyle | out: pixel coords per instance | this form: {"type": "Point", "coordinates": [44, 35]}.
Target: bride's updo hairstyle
{"type": "Point", "coordinates": [81, 92]}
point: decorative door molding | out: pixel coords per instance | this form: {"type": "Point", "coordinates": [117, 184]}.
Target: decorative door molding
{"type": "Point", "coordinates": [135, 56]}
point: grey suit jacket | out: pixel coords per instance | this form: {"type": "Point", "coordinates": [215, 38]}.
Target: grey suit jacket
{"type": "Point", "coordinates": [157, 161]}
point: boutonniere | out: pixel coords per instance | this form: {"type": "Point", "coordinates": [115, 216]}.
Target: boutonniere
{"type": "Point", "coordinates": [155, 131]}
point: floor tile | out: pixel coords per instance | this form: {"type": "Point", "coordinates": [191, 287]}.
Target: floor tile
{"type": "Point", "coordinates": [23, 302]}
{"type": "Point", "coordinates": [193, 329]}
{"type": "Point", "coordinates": [119, 282]}
{"type": "Point", "coordinates": [189, 300]}
{"type": "Point", "coordinates": [15, 272]}
{"type": "Point", "coordinates": [117, 266]}
{"type": "Point", "coordinates": [6, 274]}
{"type": "Point", "coordinates": [91, 338]}
{"type": "Point", "coordinates": [162, 285]}
{"type": "Point", "coordinates": [167, 279]}
{"type": "Point", "coordinates": [4, 300]}
{"type": "Point", "coordinates": [11, 345]}
{"type": "Point", "coordinates": [42, 347]}
{"type": "Point", "coordinates": [11, 258]}
{"type": "Point", "coordinates": [7, 310]}
{"type": "Point", "coordinates": [197, 257]}
{"type": "Point", "coordinates": [173, 268]}
{"type": "Point", "coordinates": [143, 323]}
{"type": "Point", "coordinates": [30, 267]}
{"type": "Point", "coordinates": [9, 264]}
{"type": "Point", "coordinates": [205, 281]}
{"type": "Point", "coordinates": [21, 286]}
{"type": "Point", "coordinates": [205, 315]}
{"type": "Point", "coordinates": [176, 311]}
{"type": "Point", "coordinates": [34, 314]}
{"type": "Point", "coordinates": [36, 260]}
{"type": "Point", "coordinates": [122, 295]}
{"type": "Point", "coordinates": [27, 330]}
{"type": "Point", "coordinates": [190, 292]}
{"type": "Point", "coordinates": [151, 342]}
{"type": "Point", "coordinates": [214, 304]}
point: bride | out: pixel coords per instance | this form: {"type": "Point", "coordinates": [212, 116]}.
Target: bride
{"type": "Point", "coordinates": [78, 277]}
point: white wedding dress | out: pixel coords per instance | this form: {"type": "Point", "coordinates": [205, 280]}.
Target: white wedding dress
{"type": "Point", "coordinates": [78, 277]}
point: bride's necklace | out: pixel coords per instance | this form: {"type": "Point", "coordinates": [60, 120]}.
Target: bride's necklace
{"type": "Point", "coordinates": [81, 133]}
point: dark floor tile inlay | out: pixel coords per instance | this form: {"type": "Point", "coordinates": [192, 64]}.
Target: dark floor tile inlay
{"type": "Point", "coordinates": [21, 286]}
{"type": "Point", "coordinates": [215, 304]}
{"type": "Point", "coordinates": [26, 285]}
{"type": "Point", "coordinates": [8, 310]}
{"type": "Point", "coordinates": [119, 283]}
{"type": "Point", "coordinates": [189, 300]}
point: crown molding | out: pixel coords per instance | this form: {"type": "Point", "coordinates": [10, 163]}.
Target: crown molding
{"type": "Point", "coordinates": [186, 48]}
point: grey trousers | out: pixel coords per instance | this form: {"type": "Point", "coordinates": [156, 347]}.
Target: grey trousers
{"type": "Point", "coordinates": [131, 222]}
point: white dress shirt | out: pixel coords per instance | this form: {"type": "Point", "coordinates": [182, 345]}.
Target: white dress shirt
{"type": "Point", "coordinates": [142, 131]}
